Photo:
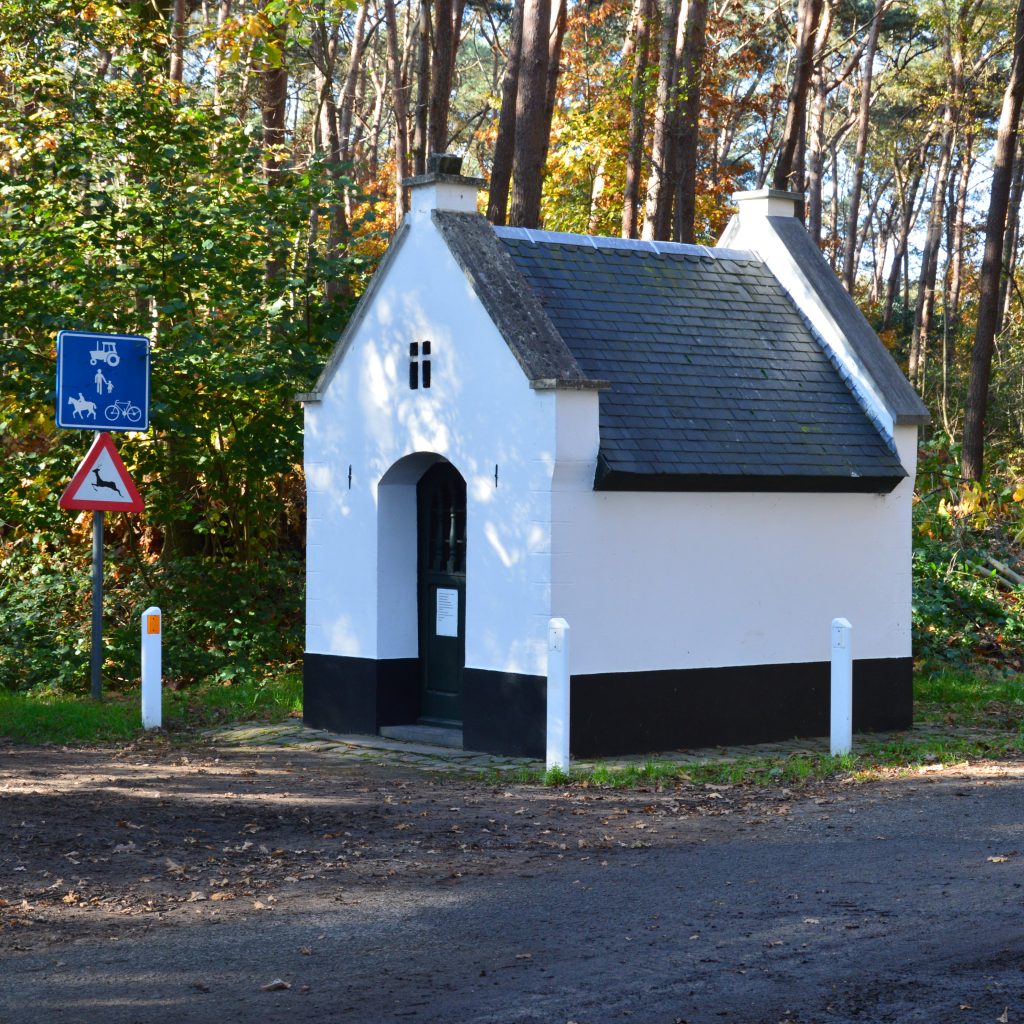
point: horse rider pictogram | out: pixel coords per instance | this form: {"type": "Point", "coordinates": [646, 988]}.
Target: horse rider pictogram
{"type": "Point", "coordinates": [82, 406]}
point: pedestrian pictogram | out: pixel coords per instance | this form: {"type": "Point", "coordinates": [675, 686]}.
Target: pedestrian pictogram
{"type": "Point", "coordinates": [102, 482]}
{"type": "Point", "coordinates": [102, 381]}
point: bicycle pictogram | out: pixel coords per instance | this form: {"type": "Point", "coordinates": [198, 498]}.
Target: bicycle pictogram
{"type": "Point", "coordinates": [131, 412]}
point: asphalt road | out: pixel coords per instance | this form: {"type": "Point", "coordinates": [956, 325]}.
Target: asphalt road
{"type": "Point", "coordinates": [899, 901]}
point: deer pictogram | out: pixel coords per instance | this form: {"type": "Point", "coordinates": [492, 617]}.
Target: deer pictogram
{"type": "Point", "coordinates": [100, 482]}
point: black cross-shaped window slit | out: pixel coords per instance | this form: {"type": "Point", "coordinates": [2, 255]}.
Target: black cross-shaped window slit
{"type": "Point", "coordinates": [419, 364]}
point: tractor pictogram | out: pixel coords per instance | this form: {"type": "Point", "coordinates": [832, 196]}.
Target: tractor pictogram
{"type": "Point", "coordinates": [105, 352]}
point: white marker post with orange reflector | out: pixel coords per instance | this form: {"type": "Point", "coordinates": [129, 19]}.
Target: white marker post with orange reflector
{"type": "Point", "coordinates": [152, 668]}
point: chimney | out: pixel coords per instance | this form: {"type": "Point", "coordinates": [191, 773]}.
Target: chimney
{"type": "Point", "coordinates": [767, 202]}
{"type": "Point", "coordinates": [443, 187]}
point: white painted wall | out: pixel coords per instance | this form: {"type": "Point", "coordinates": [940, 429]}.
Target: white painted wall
{"type": "Point", "coordinates": [479, 412]}
{"type": "Point", "coordinates": [656, 581]}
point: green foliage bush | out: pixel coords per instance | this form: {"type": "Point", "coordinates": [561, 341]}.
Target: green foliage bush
{"type": "Point", "coordinates": [223, 621]}
{"type": "Point", "coordinates": [962, 615]}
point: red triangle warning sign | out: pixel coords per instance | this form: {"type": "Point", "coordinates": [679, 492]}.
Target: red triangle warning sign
{"type": "Point", "coordinates": [101, 482]}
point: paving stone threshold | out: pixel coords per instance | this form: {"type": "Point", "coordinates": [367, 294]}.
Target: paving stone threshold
{"type": "Point", "coordinates": [392, 751]}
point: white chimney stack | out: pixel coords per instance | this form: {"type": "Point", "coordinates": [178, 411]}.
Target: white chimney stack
{"type": "Point", "coordinates": [443, 187]}
{"type": "Point", "coordinates": [767, 202]}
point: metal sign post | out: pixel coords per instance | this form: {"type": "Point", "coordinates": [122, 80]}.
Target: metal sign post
{"type": "Point", "coordinates": [100, 483]}
{"type": "Point", "coordinates": [96, 661]}
{"type": "Point", "coordinates": [102, 385]}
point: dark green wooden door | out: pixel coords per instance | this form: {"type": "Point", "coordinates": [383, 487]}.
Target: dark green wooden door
{"type": "Point", "coordinates": [441, 523]}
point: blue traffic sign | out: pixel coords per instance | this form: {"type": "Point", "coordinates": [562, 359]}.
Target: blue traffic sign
{"type": "Point", "coordinates": [102, 381]}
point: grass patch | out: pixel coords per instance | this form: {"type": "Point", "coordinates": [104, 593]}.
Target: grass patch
{"type": "Point", "coordinates": [63, 719]}
{"type": "Point", "coordinates": [44, 716]}
{"type": "Point", "coordinates": [241, 700]}
{"type": "Point", "coordinates": [907, 753]}
{"type": "Point", "coordinates": [969, 698]}
{"type": "Point", "coordinates": [956, 698]}
{"type": "Point", "coordinates": [767, 771]}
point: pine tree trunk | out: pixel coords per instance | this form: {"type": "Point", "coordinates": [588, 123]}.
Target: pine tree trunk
{"type": "Point", "coordinates": [930, 259]}
{"type": "Point", "coordinates": [658, 188]}
{"type": "Point", "coordinates": [376, 124]}
{"type": "Point", "coordinates": [816, 131]}
{"type": "Point", "coordinates": [179, 20]}
{"type": "Point", "coordinates": [357, 146]}
{"type": "Point", "coordinates": [555, 36]}
{"type": "Point", "coordinates": [690, 79]}
{"type": "Point", "coordinates": [273, 109]}
{"type": "Point", "coordinates": [419, 133]}
{"type": "Point", "coordinates": [869, 224]}
{"type": "Point", "coordinates": [458, 11]}
{"type": "Point", "coordinates": [325, 58]}
{"type": "Point", "coordinates": [273, 106]}
{"type": "Point", "coordinates": [441, 63]}
{"type": "Point", "coordinates": [597, 187]}
{"type": "Point", "coordinates": [833, 216]}
{"type": "Point", "coordinates": [1011, 237]}
{"type": "Point", "coordinates": [504, 146]}
{"type": "Point", "coordinates": [398, 100]}
{"type": "Point", "coordinates": [531, 133]}
{"type": "Point", "coordinates": [863, 123]}
{"type": "Point", "coordinates": [908, 203]}
{"type": "Point", "coordinates": [992, 263]}
{"type": "Point", "coordinates": [955, 258]}
{"type": "Point", "coordinates": [346, 105]}
{"type": "Point", "coordinates": [643, 13]}
{"type": "Point", "coordinates": [809, 13]}
{"type": "Point", "coordinates": [880, 246]}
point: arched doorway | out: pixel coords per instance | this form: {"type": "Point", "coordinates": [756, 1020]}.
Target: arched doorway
{"type": "Point", "coordinates": [441, 592]}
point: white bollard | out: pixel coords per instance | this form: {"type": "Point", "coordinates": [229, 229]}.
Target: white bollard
{"type": "Point", "coordinates": [841, 733]}
{"type": "Point", "coordinates": [152, 668]}
{"type": "Point", "coordinates": [558, 695]}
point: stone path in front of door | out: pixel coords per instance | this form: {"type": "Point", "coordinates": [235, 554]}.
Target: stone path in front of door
{"type": "Point", "coordinates": [398, 753]}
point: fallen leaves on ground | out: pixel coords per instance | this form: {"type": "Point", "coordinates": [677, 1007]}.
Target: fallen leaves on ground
{"type": "Point", "coordinates": [277, 985]}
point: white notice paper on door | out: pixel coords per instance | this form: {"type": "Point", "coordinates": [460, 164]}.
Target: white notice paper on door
{"type": "Point", "coordinates": [447, 612]}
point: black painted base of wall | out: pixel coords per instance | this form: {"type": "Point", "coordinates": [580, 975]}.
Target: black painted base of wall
{"type": "Point", "coordinates": [359, 694]}
{"type": "Point", "coordinates": [651, 711]}
{"type": "Point", "coordinates": [619, 712]}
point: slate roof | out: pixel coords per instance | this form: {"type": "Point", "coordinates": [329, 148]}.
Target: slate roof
{"type": "Point", "coordinates": [716, 380]}
{"type": "Point", "coordinates": [902, 401]}
{"type": "Point", "coordinates": [533, 339]}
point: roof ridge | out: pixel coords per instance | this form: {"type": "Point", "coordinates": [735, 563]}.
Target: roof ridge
{"type": "Point", "coordinates": [511, 303]}
{"type": "Point", "coordinates": [536, 235]}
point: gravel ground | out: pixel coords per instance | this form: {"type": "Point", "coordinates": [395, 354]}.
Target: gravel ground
{"type": "Point", "coordinates": [260, 885]}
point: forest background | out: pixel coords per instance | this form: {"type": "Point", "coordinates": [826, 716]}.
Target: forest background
{"type": "Point", "coordinates": [223, 177]}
